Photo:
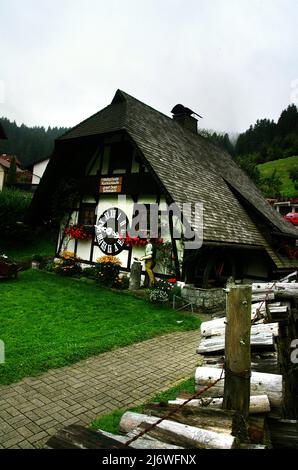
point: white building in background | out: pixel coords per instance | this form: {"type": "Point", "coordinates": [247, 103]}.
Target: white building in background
{"type": "Point", "coordinates": [38, 170]}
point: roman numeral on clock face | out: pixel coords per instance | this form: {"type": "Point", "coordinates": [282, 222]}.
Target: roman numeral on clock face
{"type": "Point", "coordinates": [112, 222]}
{"type": "Point", "coordinates": [103, 246]}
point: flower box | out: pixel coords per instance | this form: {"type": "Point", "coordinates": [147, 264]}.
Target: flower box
{"type": "Point", "coordinates": [79, 232]}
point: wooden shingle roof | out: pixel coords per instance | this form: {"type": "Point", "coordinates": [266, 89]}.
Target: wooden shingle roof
{"type": "Point", "coordinates": [190, 168]}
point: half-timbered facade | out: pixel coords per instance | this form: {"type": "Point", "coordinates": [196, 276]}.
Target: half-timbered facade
{"type": "Point", "coordinates": [129, 149]}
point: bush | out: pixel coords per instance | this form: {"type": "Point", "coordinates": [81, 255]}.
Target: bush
{"type": "Point", "coordinates": [68, 265]}
{"type": "Point", "coordinates": [122, 282]}
{"type": "Point", "coordinates": [176, 290]}
{"type": "Point", "coordinates": [161, 290]}
{"type": "Point", "coordinates": [89, 272]}
{"type": "Point", "coordinates": [13, 206]}
{"type": "Point", "coordinates": [158, 295]}
{"type": "Point", "coordinates": [50, 265]}
{"type": "Point", "coordinates": [107, 270]}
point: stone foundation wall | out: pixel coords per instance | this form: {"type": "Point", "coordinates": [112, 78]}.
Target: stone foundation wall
{"type": "Point", "coordinates": [209, 300]}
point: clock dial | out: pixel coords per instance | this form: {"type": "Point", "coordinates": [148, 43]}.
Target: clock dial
{"type": "Point", "coordinates": [110, 231]}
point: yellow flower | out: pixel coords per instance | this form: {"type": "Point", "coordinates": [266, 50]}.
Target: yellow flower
{"type": "Point", "coordinates": [69, 255]}
{"type": "Point", "coordinates": [109, 259]}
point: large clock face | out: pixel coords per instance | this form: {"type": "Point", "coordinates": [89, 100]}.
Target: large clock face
{"type": "Point", "coordinates": [110, 230]}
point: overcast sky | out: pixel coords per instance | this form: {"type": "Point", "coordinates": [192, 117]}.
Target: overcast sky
{"type": "Point", "coordinates": [232, 61]}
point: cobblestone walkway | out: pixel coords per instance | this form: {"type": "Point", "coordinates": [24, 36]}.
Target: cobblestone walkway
{"type": "Point", "coordinates": [35, 408]}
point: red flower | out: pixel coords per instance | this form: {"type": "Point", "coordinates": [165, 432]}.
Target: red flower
{"type": "Point", "coordinates": [79, 232]}
{"type": "Point", "coordinates": [173, 280]}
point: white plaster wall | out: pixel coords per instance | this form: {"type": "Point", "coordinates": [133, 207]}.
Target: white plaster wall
{"type": "Point", "coordinates": [38, 171]}
{"type": "Point", "coordinates": [83, 249]}
{"type": "Point", "coordinates": [127, 205]}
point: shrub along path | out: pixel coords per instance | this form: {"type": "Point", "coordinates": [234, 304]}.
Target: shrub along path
{"type": "Point", "coordinates": [35, 408]}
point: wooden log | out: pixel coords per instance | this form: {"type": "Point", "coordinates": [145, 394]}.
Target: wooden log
{"type": "Point", "coordinates": [260, 306]}
{"type": "Point", "coordinates": [280, 309]}
{"type": "Point", "coordinates": [217, 420]}
{"type": "Point", "coordinates": [216, 344]}
{"type": "Point", "coordinates": [287, 295]}
{"type": "Point", "coordinates": [78, 437]}
{"type": "Point", "coordinates": [288, 333]}
{"type": "Point", "coordinates": [214, 328]}
{"type": "Point", "coordinates": [177, 433]}
{"type": "Point", "coordinates": [257, 404]}
{"type": "Point", "coordinates": [283, 433]}
{"type": "Point", "coordinates": [290, 277]}
{"type": "Point", "coordinates": [262, 296]}
{"type": "Point", "coordinates": [145, 442]}
{"type": "Point", "coordinates": [261, 384]}
{"type": "Point", "coordinates": [266, 362]}
{"type": "Point", "coordinates": [256, 429]}
{"type": "Point", "coordinates": [252, 446]}
{"type": "Point", "coordinates": [278, 286]}
{"type": "Point", "coordinates": [261, 361]}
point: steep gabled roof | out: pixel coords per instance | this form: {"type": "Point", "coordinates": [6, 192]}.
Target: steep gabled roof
{"type": "Point", "coordinates": [190, 168]}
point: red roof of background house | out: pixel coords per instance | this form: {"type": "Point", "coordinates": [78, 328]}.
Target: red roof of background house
{"type": "Point", "coordinates": [5, 161]}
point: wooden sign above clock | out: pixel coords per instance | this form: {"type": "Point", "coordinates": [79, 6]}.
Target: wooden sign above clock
{"type": "Point", "coordinates": [110, 185]}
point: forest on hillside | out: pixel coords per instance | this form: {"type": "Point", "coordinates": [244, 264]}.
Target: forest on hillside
{"type": "Point", "coordinates": [28, 144]}
{"type": "Point", "coordinates": [267, 141]}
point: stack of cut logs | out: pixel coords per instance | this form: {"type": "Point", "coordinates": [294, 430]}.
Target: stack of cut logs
{"type": "Point", "coordinates": [202, 423]}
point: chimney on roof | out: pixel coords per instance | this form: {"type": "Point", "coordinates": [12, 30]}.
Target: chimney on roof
{"type": "Point", "coordinates": [184, 117]}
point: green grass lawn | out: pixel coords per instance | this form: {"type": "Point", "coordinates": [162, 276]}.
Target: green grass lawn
{"type": "Point", "coordinates": [110, 422]}
{"type": "Point", "coordinates": [282, 167]}
{"type": "Point", "coordinates": [51, 321]}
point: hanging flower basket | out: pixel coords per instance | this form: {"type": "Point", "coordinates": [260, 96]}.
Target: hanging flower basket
{"type": "Point", "coordinates": [80, 232]}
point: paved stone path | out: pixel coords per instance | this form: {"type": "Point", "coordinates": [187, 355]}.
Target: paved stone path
{"type": "Point", "coordinates": [35, 408]}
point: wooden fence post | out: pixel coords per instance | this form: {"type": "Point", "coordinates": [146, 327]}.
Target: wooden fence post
{"type": "Point", "coordinates": [237, 351]}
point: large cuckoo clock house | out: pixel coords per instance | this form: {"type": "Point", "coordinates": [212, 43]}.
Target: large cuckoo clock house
{"type": "Point", "coordinates": [127, 156]}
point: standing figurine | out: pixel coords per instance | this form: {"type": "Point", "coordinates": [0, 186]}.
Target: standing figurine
{"type": "Point", "coordinates": [150, 261]}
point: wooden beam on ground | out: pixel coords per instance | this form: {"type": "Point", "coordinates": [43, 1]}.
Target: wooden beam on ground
{"type": "Point", "coordinates": [257, 404]}
{"type": "Point", "coordinates": [262, 296]}
{"type": "Point", "coordinates": [78, 437]}
{"type": "Point", "coordinates": [217, 328]}
{"type": "Point", "coordinates": [145, 442]}
{"type": "Point", "coordinates": [260, 384]}
{"type": "Point", "coordinates": [283, 433]}
{"type": "Point", "coordinates": [258, 342]}
{"type": "Point", "coordinates": [213, 419]}
{"type": "Point", "coordinates": [177, 433]}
